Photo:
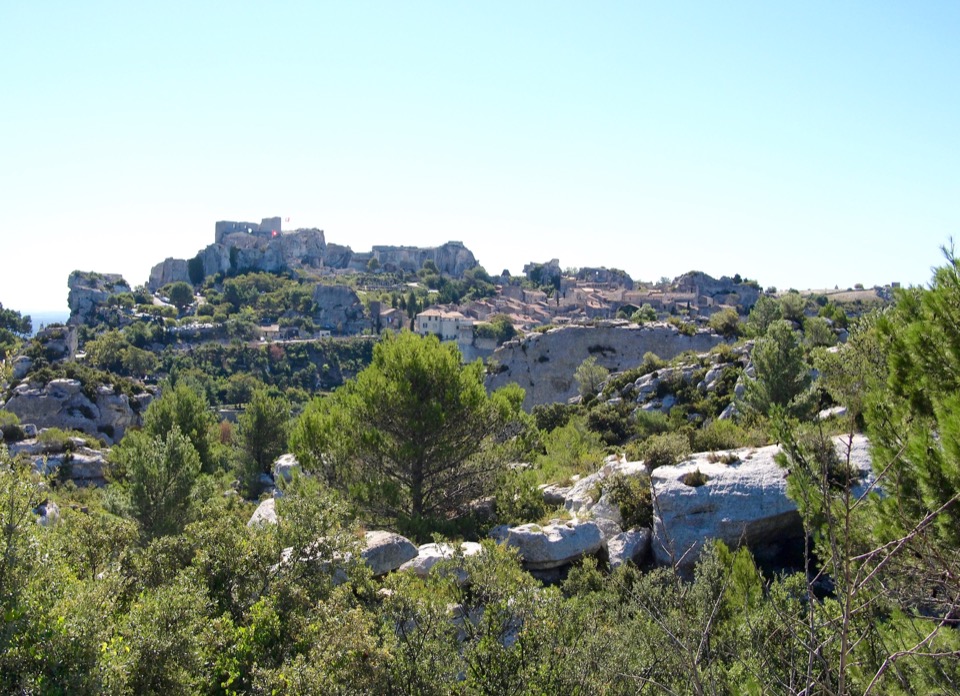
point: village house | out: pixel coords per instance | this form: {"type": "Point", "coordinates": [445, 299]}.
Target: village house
{"type": "Point", "coordinates": [442, 323]}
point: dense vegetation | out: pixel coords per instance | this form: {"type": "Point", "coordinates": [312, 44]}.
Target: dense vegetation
{"type": "Point", "coordinates": [156, 584]}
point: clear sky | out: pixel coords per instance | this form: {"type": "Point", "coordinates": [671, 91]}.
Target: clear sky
{"type": "Point", "coordinates": [802, 144]}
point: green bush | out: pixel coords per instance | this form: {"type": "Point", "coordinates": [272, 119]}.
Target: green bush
{"type": "Point", "coordinates": [518, 500]}
{"type": "Point", "coordinates": [10, 427]}
{"type": "Point", "coordinates": [695, 478]}
{"type": "Point", "coordinates": [724, 435]}
{"type": "Point", "coordinates": [632, 495]}
{"type": "Point", "coordinates": [665, 449]}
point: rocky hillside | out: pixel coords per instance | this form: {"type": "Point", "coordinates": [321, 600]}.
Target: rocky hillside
{"type": "Point", "coordinates": [544, 363]}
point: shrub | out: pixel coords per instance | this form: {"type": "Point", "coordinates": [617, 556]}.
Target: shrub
{"type": "Point", "coordinates": [612, 422]}
{"type": "Point", "coordinates": [10, 427]}
{"type": "Point", "coordinates": [720, 435]}
{"type": "Point", "coordinates": [695, 478]}
{"type": "Point", "coordinates": [665, 449]}
{"type": "Point", "coordinates": [55, 440]}
{"type": "Point", "coordinates": [518, 500]}
{"type": "Point", "coordinates": [633, 497]}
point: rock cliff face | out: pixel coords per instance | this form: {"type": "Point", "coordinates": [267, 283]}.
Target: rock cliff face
{"type": "Point", "coordinates": [91, 291]}
{"type": "Point", "coordinates": [452, 258]}
{"type": "Point", "coordinates": [725, 290]}
{"type": "Point", "coordinates": [62, 403]}
{"type": "Point", "coordinates": [169, 271]}
{"type": "Point", "coordinates": [339, 309]}
{"type": "Point", "coordinates": [239, 250]}
{"type": "Point", "coordinates": [544, 364]}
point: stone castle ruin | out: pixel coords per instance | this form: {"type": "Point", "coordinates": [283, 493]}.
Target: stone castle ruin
{"type": "Point", "coordinates": [247, 246]}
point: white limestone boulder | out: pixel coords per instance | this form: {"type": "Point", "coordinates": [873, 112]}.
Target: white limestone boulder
{"type": "Point", "coordinates": [428, 555]}
{"type": "Point", "coordinates": [632, 545]}
{"type": "Point", "coordinates": [285, 466]}
{"type": "Point", "coordinates": [554, 545]}
{"type": "Point", "coordinates": [266, 513]}
{"type": "Point", "coordinates": [744, 502]}
{"type": "Point", "coordinates": [387, 551]}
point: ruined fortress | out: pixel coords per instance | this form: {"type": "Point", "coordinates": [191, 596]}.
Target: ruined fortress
{"type": "Point", "coordinates": [248, 246]}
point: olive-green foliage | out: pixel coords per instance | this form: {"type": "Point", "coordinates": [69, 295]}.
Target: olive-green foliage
{"type": "Point", "coordinates": [726, 322]}
{"type": "Point", "coordinates": [817, 332]}
{"type": "Point", "coordinates": [551, 416]}
{"type": "Point", "coordinates": [405, 436]}
{"type": "Point", "coordinates": [727, 434]}
{"type": "Point", "coordinates": [186, 409]}
{"type": "Point", "coordinates": [162, 471]}
{"type": "Point", "coordinates": [634, 498]}
{"type": "Point", "coordinates": [518, 499]}
{"type": "Point", "coordinates": [499, 327]}
{"type": "Point", "coordinates": [570, 449]}
{"type": "Point", "coordinates": [665, 449]}
{"type": "Point", "coordinates": [180, 294]}
{"type": "Point", "coordinates": [766, 311]}
{"type": "Point", "coordinates": [589, 377]}
{"type": "Point", "coordinates": [263, 429]}
{"type": "Point", "coordinates": [14, 327]}
{"type": "Point", "coordinates": [782, 373]}
{"type": "Point", "coordinates": [614, 422]}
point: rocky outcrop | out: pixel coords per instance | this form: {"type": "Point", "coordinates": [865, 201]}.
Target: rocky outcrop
{"type": "Point", "coordinates": [339, 309]}
{"type": "Point", "coordinates": [237, 250]}
{"type": "Point", "coordinates": [632, 545]}
{"type": "Point", "coordinates": [554, 545]}
{"type": "Point", "coordinates": [266, 513]}
{"type": "Point", "coordinates": [428, 555]}
{"type": "Point", "coordinates": [69, 459]}
{"type": "Point", "coordinates": [544, 364]}
{"type": "Point", "coordinates": [742, 503]}
{"type": "Point", "coordinates": [63, 403]}
{"type": "Point", "coordinates": [89, 292]}
{"type": "Point", "coordinates": [723, 291]}
{"type": "Point", "coordinates": [452, 258]}
{"type": "Point", "coordinates": [285, 466]}
{"type": "Point", "coordinates": [386, 551]}
{"type": "Point", "coordinates": [170, 270]}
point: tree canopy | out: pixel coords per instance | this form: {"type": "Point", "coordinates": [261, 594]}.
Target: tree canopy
{"type": "Point", "coordinates": [406, 435]}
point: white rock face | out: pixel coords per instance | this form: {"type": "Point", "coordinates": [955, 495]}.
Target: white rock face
{"type": "Point", "coordinates": [428, 555]}
{"type": "Point", "coordinates": [632, 545]}
{"type": "Point", "coordinates": [62, 403]}
{"type": "Point", "coordinates": [284, 467]}
{"type": "Point", "coordinates": [544, 364]}
{"type": "Point", "coordinates": [554, 545]}
{"type": "Point", "coordinates": [386, 551]}
{"type": "Point", "coordinates": [741, 503]}
{"type": "Point", "coordinates": [266, 513]}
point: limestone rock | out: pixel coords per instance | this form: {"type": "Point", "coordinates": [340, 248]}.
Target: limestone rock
{"type": "Point", "coordinates": [48, 513]}
{"type": "Point", "coordinates": [339, 309]}
{"type": "Point", "coordinates": [554, 545]}
{"type": "Point", "coordinates": [63, 403]}
{"type": "Point", "coordinates": [741, 503]}
{"type": "Point", "coordinates": [168, 271]}
{"type": "Point", "coordinates": [285, 466]}
{"type": "Point", "coordinates": [632, 545]}
{"type": "Point", "coordinates": [91, 291]}
{"type": "Point", "coordinates": [428, 555]}
{"type": "Point", "coordinates": [266, 513]}
{"type": "Point", "coordinates": [544, 364]}
{"type": "Point", "coordinates": [386, 551]}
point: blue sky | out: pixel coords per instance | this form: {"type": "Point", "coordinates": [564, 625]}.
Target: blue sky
{"type": "Point", "coordinates": [804, 145]}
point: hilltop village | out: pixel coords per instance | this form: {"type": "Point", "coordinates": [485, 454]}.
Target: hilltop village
{"type": "Point", "coordinates": [437, 290]}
